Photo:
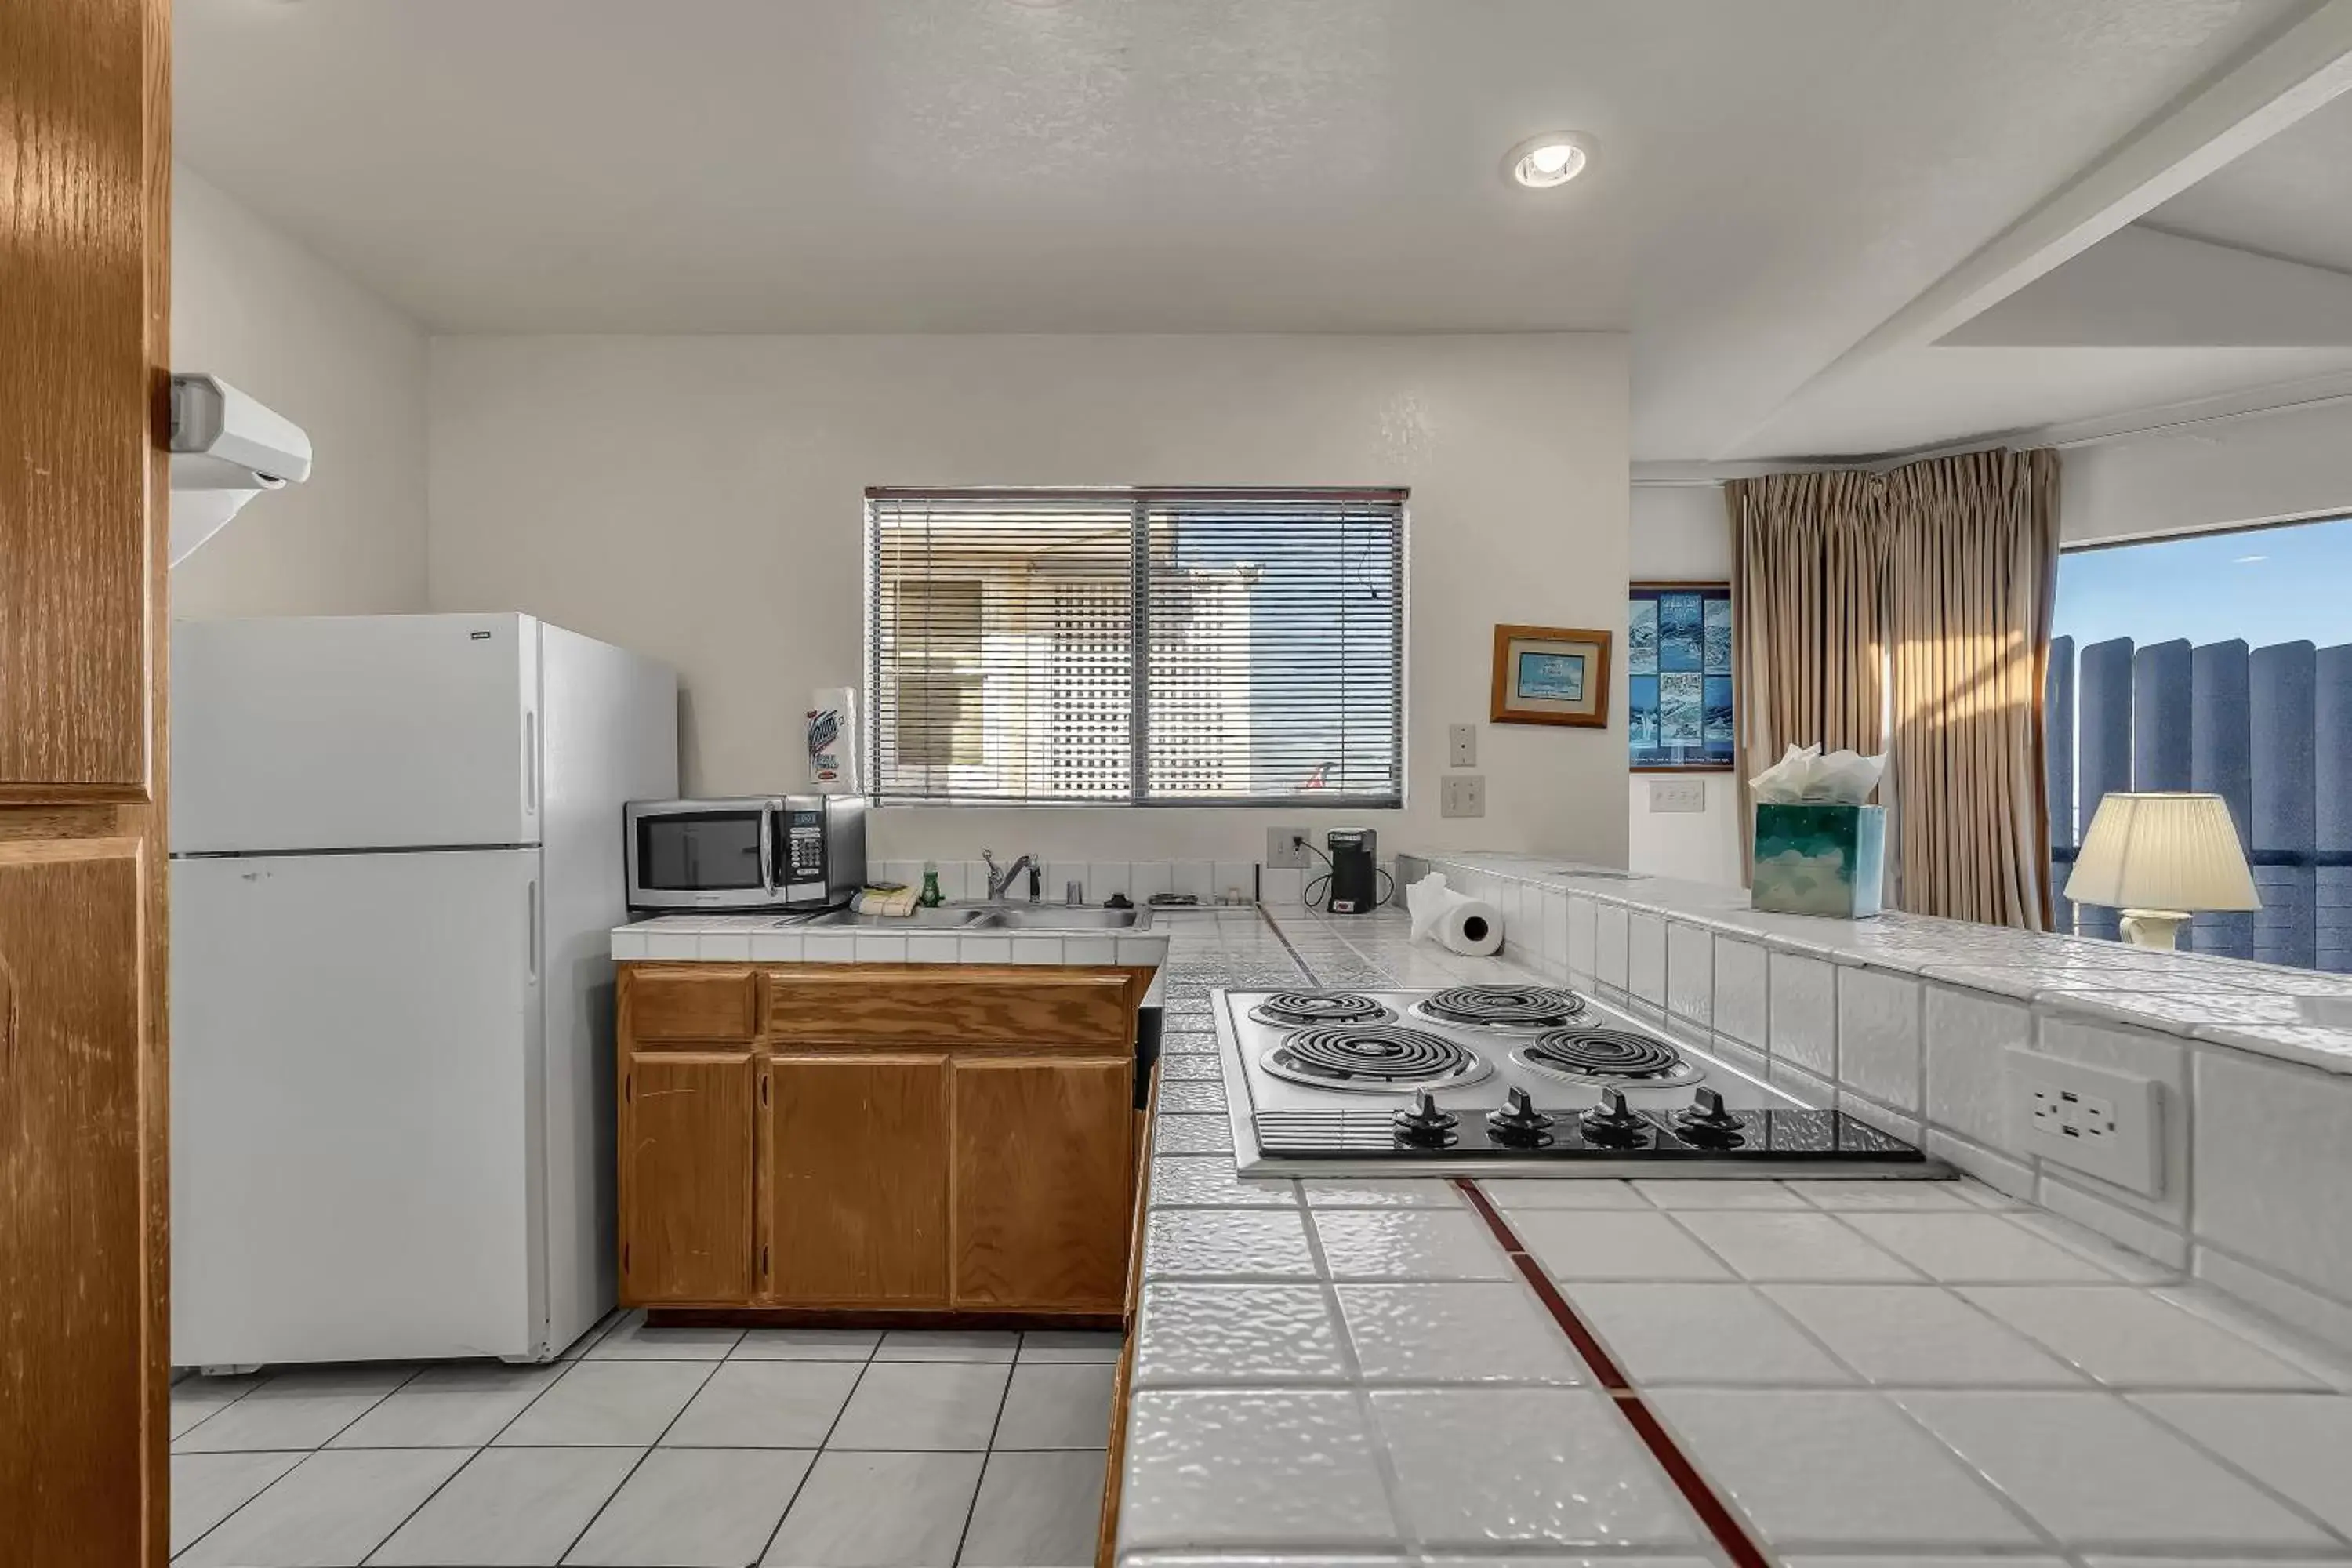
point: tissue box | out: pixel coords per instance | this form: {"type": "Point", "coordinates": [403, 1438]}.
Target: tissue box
{"type": "Point", "coordinates": [1819, 859]}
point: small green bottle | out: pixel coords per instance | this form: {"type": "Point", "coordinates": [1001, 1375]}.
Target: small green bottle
{"type": "Point", "coordinates": [930, 897]}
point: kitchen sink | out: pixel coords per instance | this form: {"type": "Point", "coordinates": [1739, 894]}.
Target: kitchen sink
{"type": "Point", "coordinates": [991, 917]}
{"type": "Point", "coordinates": [1056, 917]}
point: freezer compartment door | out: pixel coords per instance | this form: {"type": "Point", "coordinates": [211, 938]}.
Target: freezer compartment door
{"type": "Point", "coordinates": [357, 1168]}
{"type": "Point", "coordinates": [355, 732]}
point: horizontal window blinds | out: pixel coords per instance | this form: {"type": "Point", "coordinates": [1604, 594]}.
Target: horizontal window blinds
{"type": "Point", "coordinates": [1163, 646]}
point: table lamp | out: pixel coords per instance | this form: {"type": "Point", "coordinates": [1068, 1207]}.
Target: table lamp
{"type": "Point", "coordinates": [2160, 857]}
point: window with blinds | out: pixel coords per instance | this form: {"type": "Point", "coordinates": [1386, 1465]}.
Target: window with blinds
{"type": "Point", "coordinates": [1145, 647]}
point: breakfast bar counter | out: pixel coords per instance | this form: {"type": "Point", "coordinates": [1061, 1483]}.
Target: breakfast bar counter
{"type": "Point", "coordinates": [1404, 1371]}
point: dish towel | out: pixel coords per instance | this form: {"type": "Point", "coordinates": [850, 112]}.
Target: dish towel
{"type": "Point", "coordinates": [890, 900]}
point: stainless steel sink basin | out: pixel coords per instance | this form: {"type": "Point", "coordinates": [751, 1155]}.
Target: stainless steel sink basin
{"type": "Point", "coordinates": [1057, 917]}
{"type": "Point", "coordinates": [992, 917]}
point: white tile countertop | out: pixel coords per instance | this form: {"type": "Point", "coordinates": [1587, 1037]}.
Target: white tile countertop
{"type": "Point", "coordinates": [1859, 1372]}
{"type": "Point", "coordinates": [2295, 1015]}
{"type": "Point", "coordinates": [783, 938]}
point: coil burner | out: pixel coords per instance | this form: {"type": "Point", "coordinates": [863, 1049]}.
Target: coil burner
{"type": "Point", "coordinates": [1521, 1009]}
{"type": "Point", "coordinates": [1617, 1057]}
{"type": "Point", "coordinates": [1297, 1009]}
{"type": "Point", "coordinates": [1373, 1059]}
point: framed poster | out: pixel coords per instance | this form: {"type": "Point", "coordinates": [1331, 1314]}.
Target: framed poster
{"type": "Point", "coordinates": [1550, 675]}
{"type": "Point", "coordinates": [1679, 715]}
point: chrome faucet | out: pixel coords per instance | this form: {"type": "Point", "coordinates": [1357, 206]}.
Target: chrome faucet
{"type": "Point", "coordinates": [1000, 880]}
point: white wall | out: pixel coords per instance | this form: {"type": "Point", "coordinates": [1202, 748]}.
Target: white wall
{"type": "Point", "coordinates": [701, 499]}
{"type": "Point", "coordinates": [251, 305]}
{"type": "Point", "coordinates": [1679, 534]}
{"type": "Point", "coordinates": [2266, 467]}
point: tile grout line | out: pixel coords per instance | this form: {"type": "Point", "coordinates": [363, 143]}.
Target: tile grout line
{"type": "Point", "coordinates": [972, 1508]}
{"type": "Point", "coordinates": [777, 1529]}
{"type": "Point", "coordinates": [480, 1449]}
{"type": "Point", "coordinates": [1351, 1367]}
{"type": "Point", "coordinates": [1713, 1512]}
{"type": "Point", "coordinates": [582, 1533]}
{"type": "Point", "coordinates": [317, 1448]}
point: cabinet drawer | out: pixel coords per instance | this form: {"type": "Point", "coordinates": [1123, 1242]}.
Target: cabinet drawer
{"type": "Point", "coordinates": [951, 1006]}
{"type": "Point", "coordinates": [690, 1002]}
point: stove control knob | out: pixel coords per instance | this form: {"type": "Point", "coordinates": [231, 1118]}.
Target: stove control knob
{"type": "Point", "coordinates": [1423, 1122]}
{"type": "Point", "coordinates": [1517, 1122]}
{"type": "Point", "coordinates": [1613, 1122]}
{"type": "Point", "coordinates": [1705, 1122]}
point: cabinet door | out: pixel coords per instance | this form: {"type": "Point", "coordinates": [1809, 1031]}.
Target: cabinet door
{"type": "Point", "coordinates": [853, 1181]}
{"type": "Point", "coordinates": [686, 1177]}
{"type": "Point", "coordinates": [1043, 1172]}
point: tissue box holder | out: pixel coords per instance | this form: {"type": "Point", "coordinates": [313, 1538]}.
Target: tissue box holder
{"type": "Point", "coordinates": [1820, 860]}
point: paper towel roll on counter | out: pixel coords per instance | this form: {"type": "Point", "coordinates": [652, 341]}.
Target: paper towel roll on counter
{"type": "Point", "coordinates": [1471, 927]}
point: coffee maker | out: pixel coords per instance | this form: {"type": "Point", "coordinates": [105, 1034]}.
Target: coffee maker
{"type": "Point", "coordinates": [1355, 871]}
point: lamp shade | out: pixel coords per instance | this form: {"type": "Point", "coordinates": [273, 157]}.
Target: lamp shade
{"type": "Point", "coordinates": [2162, 852]}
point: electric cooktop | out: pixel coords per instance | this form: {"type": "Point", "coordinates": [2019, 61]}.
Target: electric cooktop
{"type": "Point", "coordinates": [1532, 1080]}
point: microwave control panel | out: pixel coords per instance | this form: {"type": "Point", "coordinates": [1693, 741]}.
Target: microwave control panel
{"type": "Point", "coordinates": [805, 849]}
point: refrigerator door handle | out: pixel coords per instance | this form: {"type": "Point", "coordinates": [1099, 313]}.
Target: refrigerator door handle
{"type": "Point", "coordinates": [531, 764]}
{"type": "Point", "coordinates": [530, 928]}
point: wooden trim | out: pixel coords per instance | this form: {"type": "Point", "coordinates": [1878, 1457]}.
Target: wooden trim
{"type": "Point", "coordinates": [1500, 709]}
{"type": "Point", "coordinates": [34, 793]}
{"type": "Point", "coordinates": [1673, 585]}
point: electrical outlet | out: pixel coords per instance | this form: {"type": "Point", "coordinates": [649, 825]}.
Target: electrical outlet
{"type": "Point", "coordinates": [1286, 849]}
{"type": "Point", "coordinates": [1677, 794]}
{"type": "Point", "coordinates": [2093, 1120]}
{"type": "Point", "coordinates": [1463, 795]}
{"type": "Point", "coordinates": [1462, 739]}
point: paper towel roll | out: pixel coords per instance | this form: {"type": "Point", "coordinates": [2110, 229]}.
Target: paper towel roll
{"type": "Point", "coordinates": [1471, 927]}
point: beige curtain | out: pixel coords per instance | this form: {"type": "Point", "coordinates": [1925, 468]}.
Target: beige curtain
{"type": "Point", "coordinates": [1910, 612]}
{"type": "Point", "coordinates": [1808, 602]}
{"type": "Point", "coordinates": [1972, 573]}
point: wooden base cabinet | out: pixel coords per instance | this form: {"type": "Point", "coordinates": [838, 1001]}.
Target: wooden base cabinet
{"type": "Point", "coordinates": [686, 1176]}
{"type": "Point", "coordinates": [899, 1139]}
{"type": "Point", "coordinates": [853, 1181]}
{"type": "Point", "coordinates": [1041, 1158]}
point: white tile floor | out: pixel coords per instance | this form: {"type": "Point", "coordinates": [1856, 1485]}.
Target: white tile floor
{"type": "Point", "coordinates": [659, 1447]}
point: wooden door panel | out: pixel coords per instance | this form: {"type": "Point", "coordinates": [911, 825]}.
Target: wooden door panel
{"type": "Point", "coordinates": [854, 1192]}
{"type": "Point", "coordinates": [72, 1387]}
{"type": "Point", "coordinates": [1042, 1179]}
{"type": "Point", "coordinates": [951, 1005]}
{"type": "Point", "coordinates": [77, 248]}
{"type": "Point", "coordinates": [685, 1178]}
{"type": "Point", "coordinates": [691, 1002]}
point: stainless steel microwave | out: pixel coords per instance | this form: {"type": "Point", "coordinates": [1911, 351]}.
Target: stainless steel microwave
{"type": "Point", "coordinates": [753, 852]}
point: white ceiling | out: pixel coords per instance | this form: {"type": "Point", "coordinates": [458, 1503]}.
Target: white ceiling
{"type": "Point", "coordinates": [2290, 197]}
{"type": "Point", "coordinates": [1776, 178]}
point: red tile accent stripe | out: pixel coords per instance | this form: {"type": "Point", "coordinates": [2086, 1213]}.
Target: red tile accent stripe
{"type": "Point", "coordinates": [1713, 1512]}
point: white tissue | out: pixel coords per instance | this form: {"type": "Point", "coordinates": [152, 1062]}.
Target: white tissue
{"type": "Point", "coordinates": [1471, 927]}
{"type": "Point", "coordinates": [1803, 776]}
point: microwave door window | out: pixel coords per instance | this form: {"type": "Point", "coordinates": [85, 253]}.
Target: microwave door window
{"type": "Point", "coordinates": [696, 854]}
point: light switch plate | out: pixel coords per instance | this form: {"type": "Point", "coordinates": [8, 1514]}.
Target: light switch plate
{"type": "Point", "coordinates": [2093, 1120]}
{"type": "Point", "coordinates": [1677, 794]}
{"type": "Point", "coordinates": [1463, 795]}
{"type": "Point", "coordinates": [1462, 739]}
{"type": "Point", "coordinates": [1284, 848]}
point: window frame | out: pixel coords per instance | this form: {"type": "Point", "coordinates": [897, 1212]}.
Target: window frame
{"type": "Point", "coordinates": [1139, 500]}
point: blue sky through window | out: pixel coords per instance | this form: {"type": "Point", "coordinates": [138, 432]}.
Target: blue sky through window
{"type": "Point", "coordinates": [2266, 585]}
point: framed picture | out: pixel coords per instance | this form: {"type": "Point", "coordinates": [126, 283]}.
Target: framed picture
{"type": "Point", "coordinates": [1550, 675]}
{"type": "Point", "coordinates": [1678, 703]}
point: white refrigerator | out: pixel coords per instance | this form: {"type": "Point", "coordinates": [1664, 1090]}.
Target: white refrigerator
{"type": "Point", "coordinates": [396, 859]}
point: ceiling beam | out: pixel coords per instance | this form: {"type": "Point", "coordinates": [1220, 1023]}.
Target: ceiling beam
{"type": "Point", "coordinates": [2142, 287]}
{"type": "Point", "coordinates": [2297, 70]}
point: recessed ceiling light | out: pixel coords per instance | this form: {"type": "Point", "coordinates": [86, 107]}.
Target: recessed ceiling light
{"type": "Point", "coordinates": [1552, 159]}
